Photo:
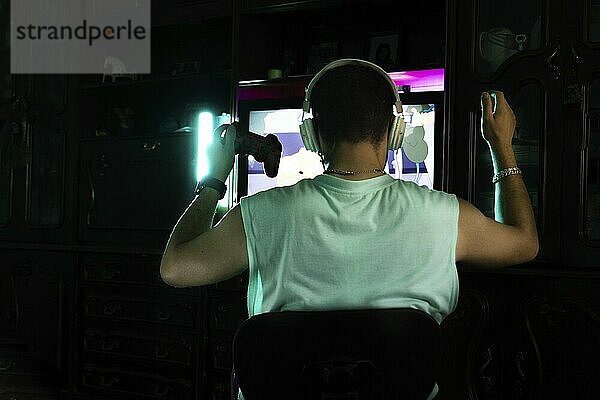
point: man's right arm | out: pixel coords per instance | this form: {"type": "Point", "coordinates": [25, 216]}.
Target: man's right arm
{"type": "Point", "coordinates": [512, 237]}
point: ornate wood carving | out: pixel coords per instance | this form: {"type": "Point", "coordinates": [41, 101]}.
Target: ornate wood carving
{"type": "Point", "coordinates": [466, 328]}
{"type": "Point", "coordinates": [562, 332]}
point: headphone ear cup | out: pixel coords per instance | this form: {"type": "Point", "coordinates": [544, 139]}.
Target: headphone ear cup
{"type": "Point", "coordinates": [307, 131]}
{"type": "Point", "coordinates": [396, 133]}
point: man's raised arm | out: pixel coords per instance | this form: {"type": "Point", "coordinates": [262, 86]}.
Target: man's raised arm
{"type": "Point", "coordinates": [512, 237]}
{"type": "Point", "coordinates": [198, 254]}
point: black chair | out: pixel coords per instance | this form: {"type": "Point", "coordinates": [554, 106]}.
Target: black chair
{"type": "Point", "coordinates": [334, 355]}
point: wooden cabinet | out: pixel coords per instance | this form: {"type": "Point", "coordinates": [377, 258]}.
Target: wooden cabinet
{"type": "Point", "coordinates": [227, 309]}
{"type": "Point", "coordinates": [522, 335]}
{"type": "Point", "coordinates": [34, 152]}
{"type": "Point", "coordinates": [580, 67]}
{"type": "Point", "coordinates": [530, 327]}
{"type": "Point", "coordinates": [34, 160]}
{"type": "Point", "coordinates": [545, 61]}
{"type": "Point", "coordinates": [136, 336]}
{"type": "Point", "coordinates": [138, 147]}
{"type": "Point", "coordinates": [36, 305]}
{"type": "Point", "coordinates": [135, 189]}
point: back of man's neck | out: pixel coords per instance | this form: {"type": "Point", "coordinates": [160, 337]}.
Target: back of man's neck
{"type": "Point", "coordinates": [357, 157]}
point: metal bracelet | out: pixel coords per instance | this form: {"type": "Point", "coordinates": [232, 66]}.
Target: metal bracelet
{"type": "Point", "coordinates": [506, 172]}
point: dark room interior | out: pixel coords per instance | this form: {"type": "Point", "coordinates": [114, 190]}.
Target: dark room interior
{"type": "Point", "coordinates": [97, 168]}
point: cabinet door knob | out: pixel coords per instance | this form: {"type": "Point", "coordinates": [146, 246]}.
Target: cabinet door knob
{"type": "Point", "coordinates": [106, 381]}
{"type": "Point", "coordinates": [150, 147]}
{"type": "Point", "coordinates": [158, 392]}
{"type": "Point", "coordinates": [108, 346]}
{"type": "Point", "coordinates": [161, 353]}
{"type": "Point", "coordinates": [111, 309]}
{"type": "Point", "coordinates": [162, 316]}
{"type": "Point", "coordinates": [7, 366]}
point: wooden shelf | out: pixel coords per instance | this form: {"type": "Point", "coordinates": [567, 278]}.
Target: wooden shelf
{"type": "Point", "coordinates": [121, 83]}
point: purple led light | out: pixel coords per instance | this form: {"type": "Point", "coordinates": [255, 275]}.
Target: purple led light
{"type": "Point", "coordinates": [429, 80]}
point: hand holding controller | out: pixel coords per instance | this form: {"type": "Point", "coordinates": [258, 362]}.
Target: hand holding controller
{"type": "Point", "coordinates": [266, 150]}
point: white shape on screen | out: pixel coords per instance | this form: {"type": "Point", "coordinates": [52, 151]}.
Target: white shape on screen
{"type": "Point", "coordinates": [301, 165]}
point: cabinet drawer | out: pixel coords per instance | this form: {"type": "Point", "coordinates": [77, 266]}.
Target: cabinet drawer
{"type": "Point", "coordinates": [133, 307]}
{"type": "Point", "coordinates": [28, 387]}
{"type": "Point", "coordinates": [21, 364]}
{"type": "Point", "coordinates": [122, 269]}
{"type": "Point", "coordinates": [129, 270]}
{"type": "Point", "coordinates": [175, 349]}
{"type": "Point", "coordinates": [134, 190]}
{"type": "Point", "coordinates": [113, 381]}
{"type": "Point", "coordinates": [220, 352]}
{"type": "Point", "coordinates": [219, 386]}
{"type": "Point", "coordinates": [226, 314]}
{"type": "Point", "coordinates": [26, 395]}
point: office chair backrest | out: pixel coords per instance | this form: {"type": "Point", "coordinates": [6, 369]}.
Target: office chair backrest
{"type": "Point", "coordinates": [350, 354]}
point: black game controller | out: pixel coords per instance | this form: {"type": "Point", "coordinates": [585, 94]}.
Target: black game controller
{"type": "Point", "coordinates": [266, 150]}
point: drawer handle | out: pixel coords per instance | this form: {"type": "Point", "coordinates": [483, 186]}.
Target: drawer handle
{"type": "Point", "coordinates": [162, 316]}
{"type": "Point", "coordinates": [109, 347]}
{"type": "Point", "coordinates": [89, 336]}
{"type": "Point", "coordinates": [110, 274]}
{"type": "Point", "coordinates": [8, 366]}
{"type": "Point", "coordinates": [111, 309]}
{"type": "Point", "coordinates": [519, 360]}
{"type": "Point", "coordinates": [158, 353]}
{"type": "Point", "coordinates": [108, 382]}
{"type": "Point", "coordinates": [150, 147]}
{"type": "Point", "coordinates": [221, 348]}
{"type": "Point", "coordinates": [160, 393]}
{"type": "Point", "coordinates": [224, 309]}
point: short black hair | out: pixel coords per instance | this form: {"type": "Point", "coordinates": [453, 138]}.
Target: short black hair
{"type": "Point", "coordinates": [352, 103]}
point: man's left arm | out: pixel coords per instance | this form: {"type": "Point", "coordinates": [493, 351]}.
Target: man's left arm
{"type": "Point", "coordinates": [197, 254]}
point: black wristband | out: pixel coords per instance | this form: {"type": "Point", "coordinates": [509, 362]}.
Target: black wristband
{"type": "Point", "coordinates": [212, 183]}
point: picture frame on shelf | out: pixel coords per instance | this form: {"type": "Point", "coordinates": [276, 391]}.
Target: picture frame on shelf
{"type": "Point", "coordinates": [384, 50]}
{"type": "Point", "coordinates": [320, 55]}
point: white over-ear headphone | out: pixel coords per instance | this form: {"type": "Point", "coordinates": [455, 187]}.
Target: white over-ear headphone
{"type": "Point", "coordinates": [307, 130]}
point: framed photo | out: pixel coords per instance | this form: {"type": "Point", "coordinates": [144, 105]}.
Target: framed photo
{"type": "Point", "coordinates": [320, 55]}
{"type": "Point", "coordinates": [383, 51]}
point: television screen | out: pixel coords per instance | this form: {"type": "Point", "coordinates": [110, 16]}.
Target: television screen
{"type": "Point", "coordinates": [298, 163]}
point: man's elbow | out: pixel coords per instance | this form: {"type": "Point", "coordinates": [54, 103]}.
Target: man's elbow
{"type": "Point", "coordinates": [168, 272]}
{"type": "Point", "coordinates": [531, 247]}
{"type": "Point", "coordinates": [535, 247]}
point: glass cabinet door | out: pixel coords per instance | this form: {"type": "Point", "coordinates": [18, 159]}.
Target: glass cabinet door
{"type": "Point", "coordinates": [591, 179]}
{"type": "Point", "coordinates": [504, 29]}
{"type": "Point", "coordinates": [5, 77]}
{"type": "Point", "coordinates": [46, 172]}
{"type": "Point", "coordinates": [6, 97]}
{"type": "Point", "coordinates": [6, 176]}
{"type": "Point", "coordinates": [581, 160]}
{"type": "Point", "coordinates": [593, 23]}
{"type": "Point", "coordinates": [528, 106]}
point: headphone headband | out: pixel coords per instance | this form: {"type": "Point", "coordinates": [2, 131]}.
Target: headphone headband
{"type": "Point", "coordinates": [351, 61]}
{"type": "Point", "coordinates": [307, 129]}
